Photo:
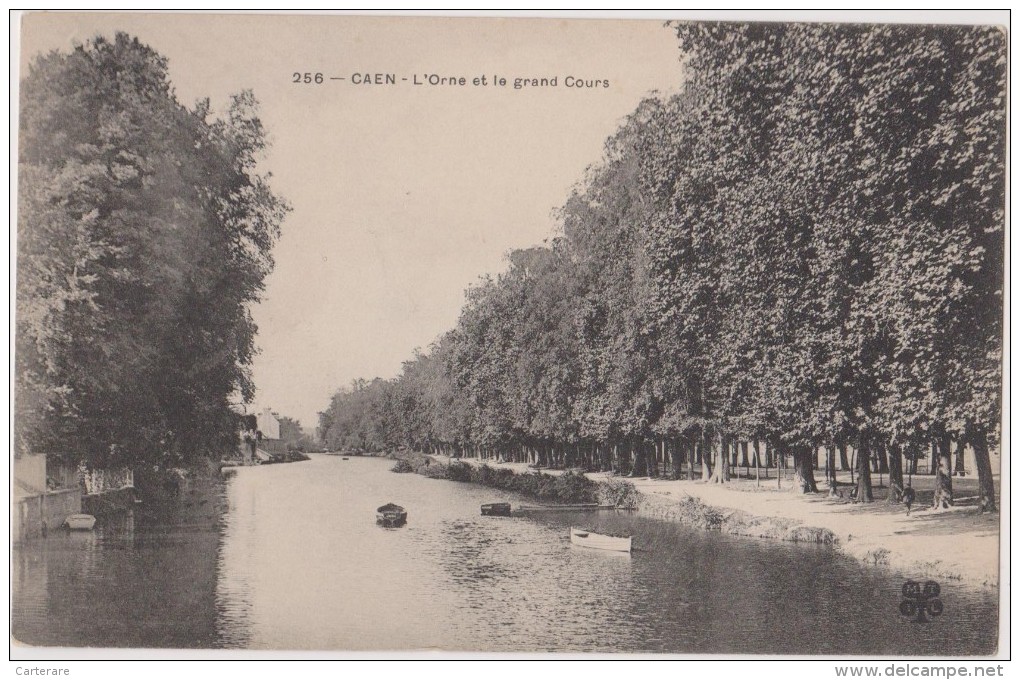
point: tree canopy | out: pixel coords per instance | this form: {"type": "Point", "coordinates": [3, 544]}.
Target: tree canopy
{"type": "Point", "coordinates": [145, 231]}
{"type": "Point", "coordinates": [802, 246]}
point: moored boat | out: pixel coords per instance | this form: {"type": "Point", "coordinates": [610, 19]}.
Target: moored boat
{"type": "Point", "coordinates": [391, 515]}
{"type": "Point", "coordinates": [564, 507]}
{"type": "Point", "coordinates": [496, 509]}
{"type": "Point", "coordinates": [589, 539]}
{"type": "Point", "coordinates": [80, 522]}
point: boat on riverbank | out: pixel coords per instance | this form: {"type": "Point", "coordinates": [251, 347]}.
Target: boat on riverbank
{"type": "Point", "coordinates": [391, 515]}
{"type": "Point", "coordinates": [563, 507]}
{"type": "Point", "coordinates": [589, 539]}
{"type": "Point", "coordinates": [80, 522]}
{"type": "Point", "coordinates": [496, 509]}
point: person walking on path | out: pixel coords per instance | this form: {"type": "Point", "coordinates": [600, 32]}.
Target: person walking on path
{"type": "Point", "coordinates": [908, 498]}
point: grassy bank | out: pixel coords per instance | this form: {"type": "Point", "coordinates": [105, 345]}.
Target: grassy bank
{"type": "Point", "coordinates": [288, 457]}
{"type": "Point", "coordinates": [567, 487]}
{"type": "Point", "coordinates": [693, 512]}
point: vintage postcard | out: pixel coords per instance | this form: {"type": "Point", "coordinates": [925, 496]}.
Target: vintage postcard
{"type": "Point", "coordinates": [344, 334]}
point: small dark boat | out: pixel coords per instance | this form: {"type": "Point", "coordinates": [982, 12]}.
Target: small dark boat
{"type": "Point", "coordinates": [345, 458]}
{"type": "Point", "coordinates": [496, 509]}
{"type": "Point", "coordinates": [391, 515]}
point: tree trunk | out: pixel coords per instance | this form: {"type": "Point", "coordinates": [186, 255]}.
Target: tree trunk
{"type": "Point", "coordinates": [689, 447]}
{"type": "Point", "coordinates": [864, 493]}
{"type": "Point", "coordinates": [640, 468]}
{"type": "Point", "coordinates": [721, 474]}
{"type": "Point", "coordinates": [724, 443]}
{"type": "Point", "coordinates": [960, 470]}
{"type": "Point", "coordinates": [883, 459]}
{"type": "Point", "coordinates": [830, 469]}
{"type": "Point", "coordinates": [757, 463]}
{"type": "Point", "coordinates": [804, 469]}
{"type": "Point", "coordinates": [778, 451]}
{"type": "Point", "coordinates": [844, 462]}
{"type": "Point", "coordinates": [706, 464]}
{"type": "Point", "coordinates": [943, 474]}
{"type": "Point", "coordinates": [778, 458]}
{"type": "Point", "coordinates": [676, 458]}
{"type": "Point", "coordinates": [986, 485]}
{"type": "Point", "coordinates": [895, 474]}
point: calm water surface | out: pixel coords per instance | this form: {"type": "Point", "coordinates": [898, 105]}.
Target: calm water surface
{"type": "Point", "coordinates": [289, 557]}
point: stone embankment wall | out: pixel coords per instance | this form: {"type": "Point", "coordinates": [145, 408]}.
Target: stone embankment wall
{"type": "Point", "coordinates": [35, 515]}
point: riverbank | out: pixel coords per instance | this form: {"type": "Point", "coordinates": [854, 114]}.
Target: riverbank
{"type": "Point", "coordinates": [565, 487]}
{"type": "Point", "coordinates": [957, 544]}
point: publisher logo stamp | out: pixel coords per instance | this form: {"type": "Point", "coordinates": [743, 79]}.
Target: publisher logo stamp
{"type": "Point", "coordinates": [921, 600]}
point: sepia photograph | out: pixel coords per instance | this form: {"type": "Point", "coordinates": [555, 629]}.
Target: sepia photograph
{"type": "Point", "coordinates": [507, 335]}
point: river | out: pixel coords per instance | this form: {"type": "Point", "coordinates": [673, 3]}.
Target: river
{"type": "Point", "coordinates": [288, 557]}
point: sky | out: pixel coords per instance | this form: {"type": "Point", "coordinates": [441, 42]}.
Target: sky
{"type": "Point", "coordinates": [403, 195]}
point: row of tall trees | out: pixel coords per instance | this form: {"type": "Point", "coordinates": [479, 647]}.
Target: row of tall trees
{"type": "Point", "coordinates": [801, 248]}
{"type": "Point", "coordinates": [145, 231]}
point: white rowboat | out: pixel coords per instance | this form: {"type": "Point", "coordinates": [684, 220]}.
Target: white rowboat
{"type": "Point", "coordinates": [589, 539]}
{"type": "Point", "coordinates": [80, 522]}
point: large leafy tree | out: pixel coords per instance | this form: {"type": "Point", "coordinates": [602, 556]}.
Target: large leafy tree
{"type": "Point", "coordinates": [144, 233]}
